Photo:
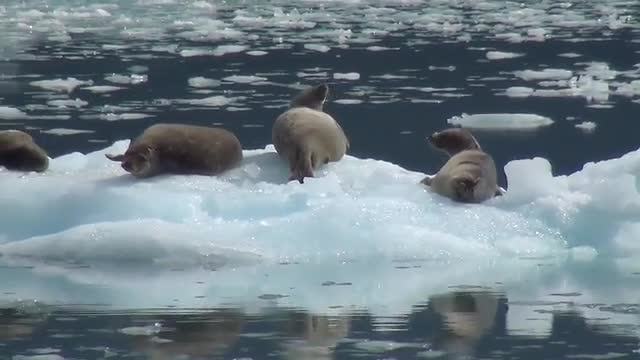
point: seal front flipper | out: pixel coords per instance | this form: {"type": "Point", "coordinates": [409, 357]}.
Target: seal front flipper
{"type": "Point", "coordinates": [464, 188]}
{"type": "Point", "coordinates": [427, 180]}
{"type": "Point", "coordinates": [500, 191]}
{"type": "Point", "coordinates": [117, 158]}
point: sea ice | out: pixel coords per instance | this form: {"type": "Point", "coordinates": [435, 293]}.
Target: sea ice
{"type": "Point", "coordinates": [77, 103]}
{"type": "Point", "coordinates": [244, 79]}
{"type": "Point", "coordinates": [65, 131]}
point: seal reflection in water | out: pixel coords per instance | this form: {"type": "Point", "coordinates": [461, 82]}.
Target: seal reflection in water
{"type": "Point", "coordinates": [180, 149]}
{"type": "Point", "coordinates": [307, 137]}
{"type": "Point", "coordinates": [19, 152]}
{"type": "Point", "coordinates": [469, 176]}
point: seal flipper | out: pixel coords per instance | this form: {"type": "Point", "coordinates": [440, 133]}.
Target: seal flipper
{"type": "Point", "coordinates": [117, 158]}
{"type": "Point", "coordinates": [500, 191]}
{"type": "Point", "coordinates": [300, 165]}
{"type": "Point", "coordinates": [427, 180]}
{"type": "Point", "coordinates": [463, 189]}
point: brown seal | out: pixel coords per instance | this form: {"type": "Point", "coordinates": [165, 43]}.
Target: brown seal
{"type": "Point", "coordinates": [469, 175]}
{"type": "Point", "coordinates": [19, 152]}
{"type": "Point", "coordinates": [306, 136]}
{"type": "Point", "coordinates": [180, 149]}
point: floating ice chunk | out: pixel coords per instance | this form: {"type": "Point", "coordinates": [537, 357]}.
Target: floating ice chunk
{"type": "Point", "coordinates": [194, 52]}
{"type": "Point", "coordinates": [142, 330]}
{"type": "Point", "coordinates": [228, 49]}
{"type": "Point", "coordinates": [9, 113]}
{"type": "Point", "coordinates": [586, 126]}
{"type": "Point", "coordinates": [60, 85]}
{"type": "Point", "coordinates": [102, 88]}
{"type": "Point", "coordinates": [347, 76]}
{"type": "Point", "coordinates": [77, 103]}
{"type": "Point", "coordinates": [38, 357]}
{"type": "Point", "coordinates": [124, 116]}
{"type": "Point", "coordinates": [203, 82]}
{"type": "Point", "coordinates": [600, 71]}
{"type": "Point", "coordinates": [257, 53]}
{"type": "Point", "coordinates": [124, 79]}
{"type": "Point", "coordinates": [380, 48]}
{"type": "Point", "coordinates": [519, 91]}
{"type": "Point", "coordinates": [138, 69]}
{"type": "Point", "coordinates": [244, 79]}
{"type": "Point", "coordinates": [348, 101]}
{"type": "Point", "coordinates": [630, 89]}
{"type": "Point", "coordinates": [317, 47]}
{"type": "Point", "coordinates": [217, 100]}
{"type": "Point", "coordinates": [501, 121]}
{"type": "Point", "coordinates": [546, 74]}
{"type": "Point", "coordinates": [499, 55]}
{"type": "Point", "coordinates": [64, 131]}
{"type": "Point", "coordinates": [570, 55]}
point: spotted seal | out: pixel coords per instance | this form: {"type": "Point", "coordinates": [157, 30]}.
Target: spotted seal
{"type": "Point", "coordinates": [306, 136]}
{"type": "Point", "coordinates": [180, 149]}
{"type": "Point", "coordinates": [19, 152]}
{"type": "Point", "coordinates": [469, 176]}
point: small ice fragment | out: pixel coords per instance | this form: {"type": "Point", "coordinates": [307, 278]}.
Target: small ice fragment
{"type": "Point", "coordinates": [317, 47]}
{"type": "Point", "coordinates": [519, 91]}
{"type": "Point", "coordinates": [203, 82]}
{"type": "Point", "coordinates": [141, 330]}
{"type": "Point", "coordinates": [347, 76]}
{"type": "Point", "coordinates": [586, 126]}
{"type": "Point", "coordinates": [257, 53]}
{"type": "Point", "coordinates": [244, 79]}
{"type": "Point", "coordinates": [546, 74]}
{"type": "Point", "coordinates": [102, 88]}
{"type": "Point", "coordinates": [9, 113]}
{"type": "Point", "coordinates": [217, 100]}
{"type": "Point", "coordinates": [124, 116]}
{"type": "Point", "coordinates": [64, 131]}
{"type": "Point", "coordinates": [348, 101]}
{"type": "Point", "coordinates": [498, 55]}
{"type": "Point", "coordinates": [228, 49]}
{"type": "Point", "coordinates": [77, 103]}
{"type": "Point", "coordinates": [60, 85]}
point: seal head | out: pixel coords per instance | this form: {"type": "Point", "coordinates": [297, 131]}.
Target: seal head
{"type": "Point", "coordinates": [313, 97]}
{"type": "Point", "coordinates": [453, 141]}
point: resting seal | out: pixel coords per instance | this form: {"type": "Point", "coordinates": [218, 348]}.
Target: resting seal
{"type": "Point", "coordinates": [469, 176]}
{"type": "Point", "coordinates": [305, 136]}
{"type": "Point", "coordinates": [19, 152]}
{"type": "Point", "coordinates": [180, 149]}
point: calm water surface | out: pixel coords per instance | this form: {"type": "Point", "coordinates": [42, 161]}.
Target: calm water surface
{"type": "Point", "coordinates": [398, 70]}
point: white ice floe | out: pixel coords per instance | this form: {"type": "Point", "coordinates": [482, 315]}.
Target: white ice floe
{"type": "Point", "coordinates": [65, 131]}
{"type": "Point", "coordinates": [501, 121]}
{"type": "Point", "coordinates": [66, 103]}
{"type": "Point", "coordinates": [203, 82]}
{"type": "Point", "coordinates": [244, 79]}
{"type": "Point", "coordinates": [546, 74]}
{"type": "Point", "coordinates": [10, 113]}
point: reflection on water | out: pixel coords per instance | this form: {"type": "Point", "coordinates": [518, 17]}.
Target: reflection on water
{"type": "Point", "coordinates": [463, 323]}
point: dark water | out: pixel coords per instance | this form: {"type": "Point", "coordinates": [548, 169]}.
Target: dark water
{"type": "Point", "coordinates": [389, 124]}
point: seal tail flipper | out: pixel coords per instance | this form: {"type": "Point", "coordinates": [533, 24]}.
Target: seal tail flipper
{"type": "Point", "coordinates": [301, 165]}
{"type": "Point", "coordinates": [464, 189]}
{"type": "Point", "coordinates": [117, 158]}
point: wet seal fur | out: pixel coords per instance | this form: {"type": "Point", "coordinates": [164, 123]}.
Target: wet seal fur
{"type": "Point", "coordinates": [19, 152]}
{"type": "Point", "coordinates": [469, 176]}
{"type": "Point", "coordinates": [307, 137]}
{"type": "Point", "coordinates": [180, 149]}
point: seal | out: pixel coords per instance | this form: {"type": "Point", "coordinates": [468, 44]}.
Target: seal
{"type": "Point", "coordinates": [469, 176]}
{"type": "Point", "coordinates": [305, 136]}
{"type": "Point", "coordinates": [19, 152]}
{"type": "Point", "coordinates": [180, 149]}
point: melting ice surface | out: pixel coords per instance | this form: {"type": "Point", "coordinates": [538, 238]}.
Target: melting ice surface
{"type": "Point", "coordinates": [86, 225]}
